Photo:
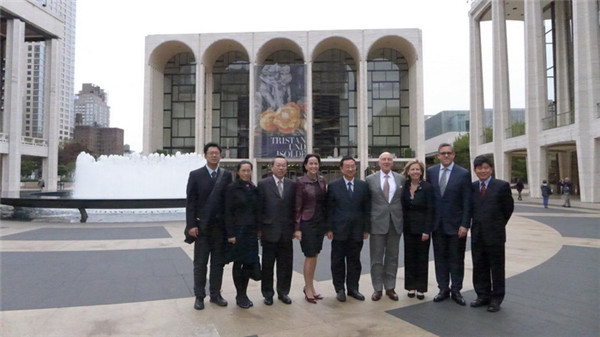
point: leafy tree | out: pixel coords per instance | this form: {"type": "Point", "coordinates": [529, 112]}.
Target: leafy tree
{"type": "Point", "coordinates": [67, 155]}
{"type": "Point", "coordinates": [30, 165]}
{"type": "Point", "coordinates": [461, 148]}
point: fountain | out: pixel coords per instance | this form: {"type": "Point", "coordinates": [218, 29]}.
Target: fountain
{"type": "Point", "coordinates": [121, 182]}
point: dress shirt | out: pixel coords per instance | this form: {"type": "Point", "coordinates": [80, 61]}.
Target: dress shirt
{"type": "Point", "coordinates": [449, 169]}
{"type": "Point", "coordinates": [391, 181]}
{"type": "Point", "coordinates": [486, 182]}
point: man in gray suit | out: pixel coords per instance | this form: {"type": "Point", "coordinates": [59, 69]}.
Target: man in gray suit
{"type": "Point", "coordinates": [386, 227]}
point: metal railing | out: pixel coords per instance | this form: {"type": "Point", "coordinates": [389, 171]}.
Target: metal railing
{"type": "Point", "coordinates": [34, 141]}
{"type": "Point", "coordinates": [515, 130]}
{"type": "Point", "coordinates": [558, 120]}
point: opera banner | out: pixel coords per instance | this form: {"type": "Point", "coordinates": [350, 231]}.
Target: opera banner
{"type": "Point", "coordinates": [280, 109]}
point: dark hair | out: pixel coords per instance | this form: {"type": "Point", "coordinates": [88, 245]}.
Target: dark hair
{"type": "Point", "coordinates": [239, 166]}
{"type": "Point", "coordinates": [411, 163]}
{"type": "Point", "coordinates": [344, 158]}
{"type": "Point", "coordinates": [480, 160]}
{"type": "Point", "coordinates": [444, 145]}
{"type": "Point", "coordinates": [544, 181]}
{"type": "Point", "coordinates": [282, 157]}
{"type": "Point", "coordinates": [307, 157]}
{"type": "Point", "coordinates": [212, 144]}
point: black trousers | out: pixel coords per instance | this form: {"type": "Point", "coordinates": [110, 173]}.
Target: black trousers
{"type": "Point", "coordinates": [210, 245]}
{"type": "Point", "coordinates": [488, 271]}
{"type": "Point", "coordinates": [416, 262]}
{"type": "Point", "coordinates": [449, 254]}
{"type": "Point", "coordinates": [282, 253]}
{"type": "Point", "coordinates": [241, 277]}
{"type": "Point", "coordinates": [345, 264]}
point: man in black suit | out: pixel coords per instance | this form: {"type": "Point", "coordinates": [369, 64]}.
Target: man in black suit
{"type": "Point", "coordinates": [493, 205]}
{"type": "Point", "coordinates": [205, 226]}
{"type": "Point", "coordinates": [452, 191]}
{"type": "Point", "coordinates": [277, 195]}
{"type": "Point", "coordinates": [348, 208]}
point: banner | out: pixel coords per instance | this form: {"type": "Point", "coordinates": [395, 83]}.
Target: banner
{"type": "Point", "coordinates": [280, 110]}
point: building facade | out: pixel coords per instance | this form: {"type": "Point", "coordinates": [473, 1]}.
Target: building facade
{"type": "Point", "coordinates": [100, 141]}
{"type": "Point", "coordinates": [562, 86]}
{"type": "Point", "coordinates": [24, 22]}
{"type": "Point", "coordinates": [91, 106]}
{"type": "Point", "coordinates": [335, 93]}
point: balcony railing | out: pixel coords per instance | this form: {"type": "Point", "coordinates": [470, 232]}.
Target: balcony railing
{"type": "Point", "coordinates": [558, 120]}
{"type": "Point", "coordinates": [487, 136]}
{"type": "Point", "coordinates": [3, 137]}
{"type": "Point", "coordinates": [34, 141]}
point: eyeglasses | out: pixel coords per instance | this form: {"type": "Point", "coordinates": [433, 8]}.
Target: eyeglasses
{"type": "Point", "coordinates": [445, 153]}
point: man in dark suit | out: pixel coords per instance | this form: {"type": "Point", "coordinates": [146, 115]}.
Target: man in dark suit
{"type": "Point", "coordinates": [493, 205]}
{"type": "Point", "coordinates": [277, 195]}
{"type": "Point", "coordinates": [348, 209]}
{"type": "Point", "coordinates": [452, 191]}
{"type": "Point", "coordinates": [205, 226]}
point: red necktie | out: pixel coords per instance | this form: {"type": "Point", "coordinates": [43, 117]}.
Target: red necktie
{"type": "Point", "coordinates": [483, 189]}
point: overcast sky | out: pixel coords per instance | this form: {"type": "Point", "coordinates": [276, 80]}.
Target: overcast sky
{"type": "Point", "coordinates": [110, 41]}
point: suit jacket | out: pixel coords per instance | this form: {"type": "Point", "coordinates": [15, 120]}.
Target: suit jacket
{"type": "Point", "coordinates": [453, 210]}
{"type": "Point", "coordinates": [348, 216]}
{"type": "Point", "coordinates": [200, 211]}
{"type": "Point", "coordinates": [491, 212]}
{"type": "Point", "coordinates": [276, 213]}
{"type": "Point", "coordinates": [382, 210]}
{"type": "Point", "coordinates": [418, 212]}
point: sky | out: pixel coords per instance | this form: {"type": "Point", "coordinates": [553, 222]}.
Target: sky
{"type": "Point", "coordinates": [110, 37]}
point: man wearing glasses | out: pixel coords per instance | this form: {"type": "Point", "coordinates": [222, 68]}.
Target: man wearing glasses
{"type": "Point", "coordinates": [452, 189]}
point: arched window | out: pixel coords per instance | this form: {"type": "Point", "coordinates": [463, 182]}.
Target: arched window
{"type": "Point", "coordinates": [389, 106]}
{"type": "Point", "coordinates": [334, 104]}
{"type": "Point", "coordinates": [179, 104]}
{"type": "Point", "coordinates": [230, 104]}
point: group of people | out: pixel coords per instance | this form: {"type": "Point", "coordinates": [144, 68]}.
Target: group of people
{"type": "Point", "coordinates": [226, 219]}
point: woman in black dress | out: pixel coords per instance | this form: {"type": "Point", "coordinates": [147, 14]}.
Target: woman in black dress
{"type": "Point", "coordinates": [309, 224]}
{"type": "Point", "coordinates": [417, 206]}
{"type": "Point", "coordinates": [241, 223]}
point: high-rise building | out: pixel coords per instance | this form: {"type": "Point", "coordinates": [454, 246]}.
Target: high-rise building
{"type": "Point", "coordinates": [91, 106]}
{"type": "Point", "coordinates": [34, 100]}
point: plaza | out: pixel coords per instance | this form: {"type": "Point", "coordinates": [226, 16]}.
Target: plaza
{"type": "Point", "coordinates": [135, 279]}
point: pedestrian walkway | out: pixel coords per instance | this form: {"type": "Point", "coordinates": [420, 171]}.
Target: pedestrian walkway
{"type": "Point", "coordinates": [135, 279]}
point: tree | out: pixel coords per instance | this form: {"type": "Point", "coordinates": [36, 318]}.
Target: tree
{"type": "Point", "coordinates": [67, 155]}
{"type": "Point", "coordinates": [461, 148]}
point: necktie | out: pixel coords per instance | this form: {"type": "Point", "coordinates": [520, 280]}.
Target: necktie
{"type": "Point", "coordinates": [443, 181]}
{"type": "Point", "coordinates": [280, 187]}
{"type": "Point", "coordinates": [483, 189]}
{"type": "Point", "coordinates": [213, 174]}
{"type": "Point", "coordinates": [350, 188]}
{"type": "Point", "coordinates": [386, 188]}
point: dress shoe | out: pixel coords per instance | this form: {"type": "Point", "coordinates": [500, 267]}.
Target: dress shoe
{"type": "Point", "coordinates": [341, 296]}
{"type": "Point", "coordinates": [494, 307]}
{"type": "Point", "coordinates": [410, 295]}
{"type": "Point", "coordinates": [356, 295]}
{"type": "Point", "coordinates": [218, 300]}
{"type": "Point", "coordinates": [441, 296]}
{"type": "Point", "coordinates": [457, 297]}
{"type": "Point", "coordinates": [199, 303]}
{"type": "Point", "coordinates": [309, 299]}
{"type": "Point", "coordinates": [244, 302]}
{"type": "Point", "coordinates": [377, 295]}
{"type": "Point", "coordinates": [420, 296]}
{"type": "Point", "coordinates": [285, 299]}
{"type": "Point", "coordinates": [318, 297]}
{"type": "Point", "coordinates": [480, 302]}
{"type": "Point", "coordinates": [391, 294]}
{"type": "Point", "coordinates": [268, 300]}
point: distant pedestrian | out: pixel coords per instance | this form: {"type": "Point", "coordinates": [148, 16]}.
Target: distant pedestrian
{"type": "Point", "coordinates": [567, 188]}
{"type": "Point", "coordinates": [546, 192]}
{"type": "Point", "coordinates": [41, 184]}
{"type": "Point", "coordinates": [520, 186]}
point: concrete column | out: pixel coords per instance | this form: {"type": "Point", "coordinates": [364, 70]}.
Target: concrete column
{"type": "Point", "coordinates": [535, 93]}
{"type": "Point", "coordinates": [308, 125]}
{"type": "Point", "coordinates": [417, 115]}
{"type": "Point", "coordinates": [200, 132]}
{"type": "Point", "coordinates": [51, 112]}
{"type": "Point", "coordinates": [564, 165]}
{"type": "Point", "coordinates": [586, 46]}
{"type": "Point", "coordinates": [13, 103]}
{"type": "Point", "coordinates": [476, 102]}
{"type": "Point", "coordinates": [363, 118]}
{"type": "Point", "coordinates": [207, 108]}
{"type": "Point", "coordinates": [501, 85]}
{"type": "Point", "coordinates": [153, 109]}
{"type": "Point", "coordinates": [562, 68]}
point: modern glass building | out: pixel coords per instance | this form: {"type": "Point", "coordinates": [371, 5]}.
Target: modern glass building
{"type": "Point", "coordinates": [335, 93]}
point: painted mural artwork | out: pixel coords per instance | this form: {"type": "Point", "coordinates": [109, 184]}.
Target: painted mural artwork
{"type": "Point", "coordinates": [281, 111]}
